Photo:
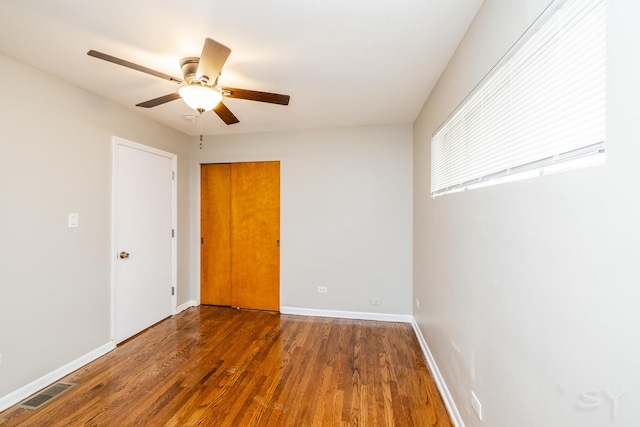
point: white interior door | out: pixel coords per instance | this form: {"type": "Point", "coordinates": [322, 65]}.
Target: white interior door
{"type": "Point", "coordinates": [143, 237]}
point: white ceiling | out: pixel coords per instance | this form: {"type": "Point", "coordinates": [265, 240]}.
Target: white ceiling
{"type": "Point", "coordinates": [344, 63]}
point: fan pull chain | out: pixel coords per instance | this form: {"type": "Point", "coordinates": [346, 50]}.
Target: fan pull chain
{"type": "Point", "coordinates": [200, 120]}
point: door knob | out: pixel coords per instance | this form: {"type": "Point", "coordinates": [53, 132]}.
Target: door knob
{"type": "Point", "coordinates": [124, 255]}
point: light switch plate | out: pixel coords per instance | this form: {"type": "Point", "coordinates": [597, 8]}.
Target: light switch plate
{"type": "Point", "coordinates": [73, 220]}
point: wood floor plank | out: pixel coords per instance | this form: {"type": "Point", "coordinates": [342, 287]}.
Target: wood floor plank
{"type": "Point", "coordinates": [214, 366]}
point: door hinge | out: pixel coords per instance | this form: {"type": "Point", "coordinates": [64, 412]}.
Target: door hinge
{"type": "Point", "coordinates": [173, 176]}
{"type": "Point", "coordinates": [173, 290]}
{"type": "Point", "coordinates": [202, 240]}
{"type": "Point", "coordinates": [173, 232]}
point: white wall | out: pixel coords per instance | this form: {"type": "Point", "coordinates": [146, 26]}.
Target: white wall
{"type": "Point", "coordinates": [346, 214]}
{"type": "Point", "coordinates": [55, 158]}
{"type": "Point", "coordinates": [529, 291]}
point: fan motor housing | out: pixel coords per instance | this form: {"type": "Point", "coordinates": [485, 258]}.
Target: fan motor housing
{"type": "Point", "coordinates": [189, 68]}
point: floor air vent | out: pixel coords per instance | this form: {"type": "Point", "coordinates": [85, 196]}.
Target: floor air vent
{"type": "Point", "coordinates": [39, 399]}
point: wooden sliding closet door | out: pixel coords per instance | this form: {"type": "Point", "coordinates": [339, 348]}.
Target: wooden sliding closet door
{"type": "Point", "coordinates": [215, 226]}
{"type": "Point", "coordinates": [240, 223]}
{"type": "Point", "coordinates": [255, 235]}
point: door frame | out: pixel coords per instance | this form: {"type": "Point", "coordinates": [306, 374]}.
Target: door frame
{"type": "Point", "coordinates": [116, 142]}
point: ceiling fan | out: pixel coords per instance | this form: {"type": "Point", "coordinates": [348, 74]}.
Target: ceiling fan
{"type": "Point", "coordinates": [199, 88]}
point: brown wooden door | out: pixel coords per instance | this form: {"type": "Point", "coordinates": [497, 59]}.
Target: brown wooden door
{"type": "Point", "coordinates": [253, 235]}
{"type": "Point", "coordinates": [215, 226]}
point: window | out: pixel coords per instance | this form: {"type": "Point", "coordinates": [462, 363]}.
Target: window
{"type": "Point", "coordinates": [540, 109]}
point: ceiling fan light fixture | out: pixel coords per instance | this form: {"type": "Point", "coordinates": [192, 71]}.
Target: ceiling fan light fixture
{"type": "Point", "coordinates": [199, 91]}
{"type": "Point", "coordinates": [199, 97]}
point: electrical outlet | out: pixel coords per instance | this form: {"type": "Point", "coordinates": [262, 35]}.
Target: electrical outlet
{"type": "Point", "coordinates": [477, 406]}
{"type": "Point", "coordinates": [375, 301]}
{"type": "Point", "coordinates": [322, 289]}
{"type": "Point", "coordinates": [417, 303]}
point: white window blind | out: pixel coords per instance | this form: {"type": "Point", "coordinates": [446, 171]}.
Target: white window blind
{"type": "Point", "coordinates": [543, 106]}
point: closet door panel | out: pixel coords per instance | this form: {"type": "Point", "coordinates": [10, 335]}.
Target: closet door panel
{"type": "Point", "coordinates": [215, 226]}
{"type": "Point", "coordinates": [255, 235]}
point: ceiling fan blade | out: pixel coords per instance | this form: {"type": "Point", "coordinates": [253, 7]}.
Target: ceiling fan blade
{"type": "Point", "coordinates": [213, 57]}
{"type": "Point", "coordinates": [159, 101]}
{"type": "Point", "coordinates": [252, 95]}
{"type": "Point", "coordinates": [133, 66]}
{"type": "Point", "coordinates": [225, 114]}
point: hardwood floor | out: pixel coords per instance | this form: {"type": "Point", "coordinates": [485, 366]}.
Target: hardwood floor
{"type": "Point", "coordinates": [213, 366]}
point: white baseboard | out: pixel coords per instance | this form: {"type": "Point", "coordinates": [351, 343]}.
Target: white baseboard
{"type": "Point", "coordinates": [383, 317]}
{"type": "Point", "coordinates": [437, 376]}
{"type": "Point", "coordinates": [46, 380]}
{"type": "Point", "coordinates": [182, 307]}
